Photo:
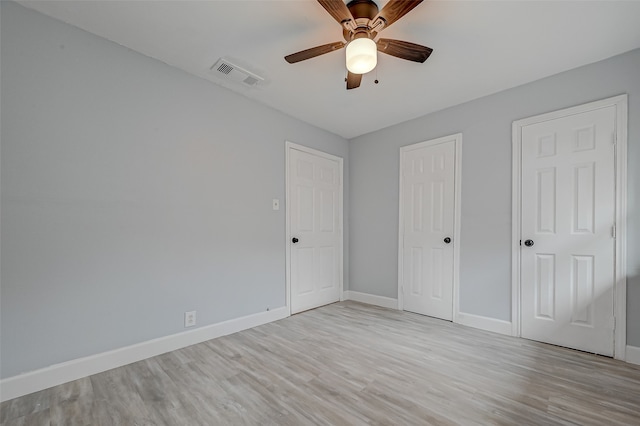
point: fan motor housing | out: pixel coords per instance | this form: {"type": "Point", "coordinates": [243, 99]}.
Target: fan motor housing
{"type": "Point", "coordinates": [363, 12]}
{"type": "Point", "coordinates": [363, 9]}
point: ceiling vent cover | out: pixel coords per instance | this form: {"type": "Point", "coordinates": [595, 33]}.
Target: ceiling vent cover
{"type": "Point", "coordinates": [230, 71]}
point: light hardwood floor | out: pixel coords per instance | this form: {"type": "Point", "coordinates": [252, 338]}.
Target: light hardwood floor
{"type": "Point", "coordinates": [348, 364]}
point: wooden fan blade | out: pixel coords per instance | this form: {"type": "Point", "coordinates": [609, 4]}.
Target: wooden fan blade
{"type": "Point", "coordinates": [396, 9]}
{"type": "Point", "coordinates": [404, 50]}
{"type": "Point", "coordinates": [337, 9]}
{"type": "Point", "coordinates": [313, 52]}
{"type": "Point", "coordinates": [353, 80]}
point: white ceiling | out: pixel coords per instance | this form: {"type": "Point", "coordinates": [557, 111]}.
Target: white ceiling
{"type": "Point", "coordinates": [480, 47]}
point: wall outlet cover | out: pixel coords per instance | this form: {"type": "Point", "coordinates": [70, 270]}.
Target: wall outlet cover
{"type": "Point", "coordinates": [190, 319]}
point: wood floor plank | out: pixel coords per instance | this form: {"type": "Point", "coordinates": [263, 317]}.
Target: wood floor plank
{"type": "Point", "coordinates": [25, 406]}
{"type": "Point", "coordinates": [348, 364]}
{"type": "Point", "coordinates": [39, 418]}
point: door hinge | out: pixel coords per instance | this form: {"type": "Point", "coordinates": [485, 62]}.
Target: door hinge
{"type": "Point", "coordinates": [613, 323]}
{"type": "Point", "coordinates": [613, 232]}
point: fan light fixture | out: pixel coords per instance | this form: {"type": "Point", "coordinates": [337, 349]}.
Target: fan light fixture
{"type": "Point", "coordinates": [360, 22]}
{"type": "Point", "coordinates": [362, 55]}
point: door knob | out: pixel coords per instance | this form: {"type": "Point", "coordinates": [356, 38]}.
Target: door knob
{"type": "Point", "coordinates": [294, 240]}
{"type": "Point", "coordinates": [528, 243]}
{"type": "Point", "coordinates": [447, 240]}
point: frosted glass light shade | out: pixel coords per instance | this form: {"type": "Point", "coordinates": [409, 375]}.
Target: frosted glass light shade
{"type": "Point", "coordinates": [362, 55]}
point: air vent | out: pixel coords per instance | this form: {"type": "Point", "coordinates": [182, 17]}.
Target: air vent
{"type": "Point", "coordinates": [230, 71]}
{"type": "Point", "coordinates": [225, 68]}
{"type": "Point", "coordinates": [250, 81]}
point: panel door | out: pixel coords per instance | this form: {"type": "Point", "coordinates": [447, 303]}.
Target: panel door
{"type": "Point", "coordinates": [568, 214]}
{"type": "Point", "coordinates": [428, 221]}
{"type": "Point", "coordinates": [315, 229]}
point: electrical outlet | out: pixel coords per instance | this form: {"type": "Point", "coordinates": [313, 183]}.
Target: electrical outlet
{"type": "Point", "coordinates": [190, 319]}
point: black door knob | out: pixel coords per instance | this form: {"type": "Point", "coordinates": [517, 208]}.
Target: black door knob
{"type": "Point", "coordinates": [294, 240]}
{"type": "Point", "coordinates": [528, 243]}
{"type": "Point", "coordinates": [447, 240]}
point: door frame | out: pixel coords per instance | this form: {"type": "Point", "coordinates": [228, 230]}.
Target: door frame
{"type": "Point", "coordinates": [288, 147]}
{"type": "Point", "coordinates": [620, 284]}
{"type": "Point", "coordinates": [457, 197]}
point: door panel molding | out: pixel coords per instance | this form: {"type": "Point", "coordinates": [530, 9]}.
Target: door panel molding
{"type": "Point", "coordinates": [457, 196]}
{"type": "Point", "coordinates": [289, 146]}
{"type": "Point", "coordinates": [620, 290]}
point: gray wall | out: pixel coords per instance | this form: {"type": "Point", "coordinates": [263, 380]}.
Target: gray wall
{"type": "Point", "coordinates": [485, 281]}
{"type": "Point", "coordinates": [131, 193]}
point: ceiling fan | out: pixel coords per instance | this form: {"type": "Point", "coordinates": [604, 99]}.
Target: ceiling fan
{"type": "Point", "coordinates": [361, 23]}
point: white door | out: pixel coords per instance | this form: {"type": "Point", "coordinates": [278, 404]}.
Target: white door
{"type": "Point", "coordinates": [427, 227]}
{"type": "Point", "coordinates": [568, 246]}
{"type": "Point", "coordinates": [315, 214]}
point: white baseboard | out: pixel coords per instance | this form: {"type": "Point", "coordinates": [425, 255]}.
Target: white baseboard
{"type": "Point", "coordinates": [371, 299]}
{"type": "Point", "coordinates": [58, 374]}
{"type": "Point", "coordinates": [633, 354]}
{"type": "Point", "coordinates": [484, 323]}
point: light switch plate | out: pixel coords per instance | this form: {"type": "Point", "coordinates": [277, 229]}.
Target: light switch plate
{"type": "Point", "coordinates": [276, 204]}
